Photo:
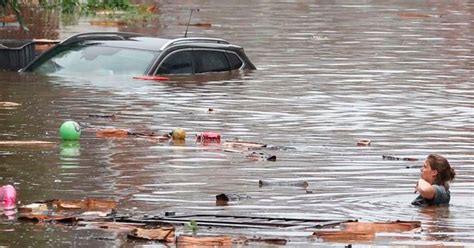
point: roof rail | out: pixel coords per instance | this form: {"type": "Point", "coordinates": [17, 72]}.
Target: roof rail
{"type": "Point", "coordinates": [92, 35]}
{"type": "Point", "coordinates": [191, 39]}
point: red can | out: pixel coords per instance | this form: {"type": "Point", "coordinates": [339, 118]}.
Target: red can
{"type": "Point", "coordinates": [208, 137]}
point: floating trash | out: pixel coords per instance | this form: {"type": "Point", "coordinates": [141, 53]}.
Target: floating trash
{"type": "Point", "coordinates": [208, 137]}
{"type": "Point", "coordinates": [261, 156]}
{"type": "Point", "coordinates": [364, 142]}
{"type": "Point", "coordinates": [164, 234]}
{"type": "Point", "coordinates": [388, 157]}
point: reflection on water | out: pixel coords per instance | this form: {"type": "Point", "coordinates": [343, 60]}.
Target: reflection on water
{"type": "Point", "coordinates": [330, 74]}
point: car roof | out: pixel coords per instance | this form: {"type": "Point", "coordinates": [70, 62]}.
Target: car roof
{"type": "Point", "coordinates": [139, 41]}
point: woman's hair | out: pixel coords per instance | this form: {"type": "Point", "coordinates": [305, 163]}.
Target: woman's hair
{"type": "Point", "coordinates": [445, 173]}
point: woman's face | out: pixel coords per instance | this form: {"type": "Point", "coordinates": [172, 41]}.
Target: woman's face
{"type": "Point", "coordinates": [427, 173]}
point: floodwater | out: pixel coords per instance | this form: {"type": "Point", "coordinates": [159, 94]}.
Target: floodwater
{"type": "Point", "coordinates": [330, 73]}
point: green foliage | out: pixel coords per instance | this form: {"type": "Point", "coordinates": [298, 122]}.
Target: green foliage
{"type": "Point", "coordinates": [193, 226]}
{"type": "Point", "coordinates": [108, 4]}
{"type": "Point", "coordinates": [69, 6]}
{"type": "Point", "coordinates": [14, 5]}
{"type": "Point", "coordinates": [74, 6]}
{"type": "Point", "coordinates": [119, 8]}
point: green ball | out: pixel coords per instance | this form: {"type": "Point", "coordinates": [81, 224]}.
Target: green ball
{"type": "Point", "coordinates": [70, 130]}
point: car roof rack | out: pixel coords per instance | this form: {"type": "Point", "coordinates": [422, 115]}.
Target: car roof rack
{"type": "Point", "coordinates": [193, 39]}
{"type": "Point", "coordinates": [99, 35]}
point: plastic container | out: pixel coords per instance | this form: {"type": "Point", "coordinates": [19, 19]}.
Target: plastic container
{"type": "Point", "coordinates": [208, 137]}
{"type": "Point", "coordinates": [16, 54]}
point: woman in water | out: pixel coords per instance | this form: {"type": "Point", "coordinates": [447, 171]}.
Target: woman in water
{"type": "Point", "coordinates": [433, 185]}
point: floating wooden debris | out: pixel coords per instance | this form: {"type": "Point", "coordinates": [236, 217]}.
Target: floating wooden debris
{"type": "Point", "coordinates": [261, 156]}
{"type": "Point", "coordinates": [223, 199]}
{"type": "Point", "coordinates": [303, 184]}
{"type": "Point", "coordinates": [88, 204]}
{"type": "Point", "coordinates": [198, 24]}
{"type": "Point", "coordinates": [26, 143]}
{"type": "Point", "coordinates": [343, 235]}
{"type": "Point", "coordinates": [122, 133]}
{"type": "Point", "coordinates": [105, 116]}
{"type": "Point", "coordinates": [391, 226]}
{"type": "Point", "coordinates": [414, 15]}
{"type": "Point", "coordinates": [34, 208]}
{"type": "Point", "coordinates": [116, 226]}
{"type": "Point", "coordinates": [365, 231]}
{"type": "Point", "coordinates": [271, 241]}
{"type": "Point", "coordinates": [9, 104]}
{"type": "Point", "coordinates": [364, 142]}
{"type": "Point", "coordinates": [388, 157]}
{"type": "Point", "coordinates": [164, 234]}
{"type": "Point", "coordinates": [47, 218]}
{"type": "Point", "coordinates": [243, 145]}
{"type": "Point", "coordinates": [208, 241]}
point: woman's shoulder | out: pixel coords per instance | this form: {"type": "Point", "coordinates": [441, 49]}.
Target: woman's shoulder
{"type": "Point", "coordinates": [442, 195]}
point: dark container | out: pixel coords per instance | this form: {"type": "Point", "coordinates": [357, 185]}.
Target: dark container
{"type": "Point", "coordinates": [16, 54]}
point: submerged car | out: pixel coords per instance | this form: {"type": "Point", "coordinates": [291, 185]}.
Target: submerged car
{"type": "Point", "coordinates": [119, 53]}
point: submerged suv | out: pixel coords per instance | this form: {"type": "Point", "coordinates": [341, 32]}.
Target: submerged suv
{"type": "Point", "coordinates": [111, 53]}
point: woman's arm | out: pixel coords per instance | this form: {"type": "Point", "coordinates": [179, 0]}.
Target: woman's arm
{"type": "Point", "coordinates": [425, 189]}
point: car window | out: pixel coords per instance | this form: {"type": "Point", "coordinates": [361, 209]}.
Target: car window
{"type": "Point", "coordinates": [234, 60]}
{"type": "Point", "coordinates": [209, 61]}
{"type": "Point", "coordinates": [177, 63]}
{"type": "Point", "coordinates": [97, 60]}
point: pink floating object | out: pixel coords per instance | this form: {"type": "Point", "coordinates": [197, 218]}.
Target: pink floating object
{"type": "Point", "coordinates": [8, 196]}
{"type": "Point", "coordinates": [208, 137]}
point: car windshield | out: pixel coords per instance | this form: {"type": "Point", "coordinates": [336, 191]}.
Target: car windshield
{"type": "Point", "coordinates": [96, 59]}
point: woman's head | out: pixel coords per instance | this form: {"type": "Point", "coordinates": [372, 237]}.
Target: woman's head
{"type": "Point", "coordinates": [437, 170]}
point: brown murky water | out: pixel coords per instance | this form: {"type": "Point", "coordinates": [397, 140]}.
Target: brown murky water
{"type": "Point", "coordinates": [329, 73]}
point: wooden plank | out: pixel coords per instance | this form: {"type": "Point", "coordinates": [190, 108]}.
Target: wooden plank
{"type": "Point", "coordinates": [26, 143]}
